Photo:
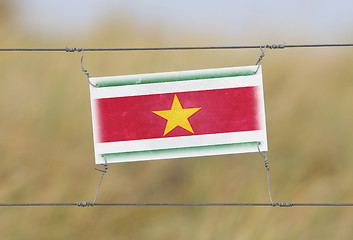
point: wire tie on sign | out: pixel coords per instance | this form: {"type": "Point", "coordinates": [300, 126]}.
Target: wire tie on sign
{"type": "Point", "coordinates": [260, 58]}
{"type": "Point", "coordinates": [263, 154]}
{"type": "Point", "coordinates": [105, 164]}
{"type": "Point", "coordinates": [85, 71]}
{"type": "Point", "coordinates": [273, 46]}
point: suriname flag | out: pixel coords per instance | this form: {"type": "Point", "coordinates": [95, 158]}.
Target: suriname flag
{"type": "Point", "coordinates": [178, 114]}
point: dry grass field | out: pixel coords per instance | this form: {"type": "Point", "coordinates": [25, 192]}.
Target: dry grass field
{"type": "Point", "coordinates": [47, 148]}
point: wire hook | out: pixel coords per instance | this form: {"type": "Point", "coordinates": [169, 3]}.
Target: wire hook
{"type": "Point", "coordinates": [85, 71]}
{"type": "Point", "coordinates": [103, 172]}
{"type": "Point", "coordinates": [260, 58]}
{"type": "Point", "coordinates": [263, 154]}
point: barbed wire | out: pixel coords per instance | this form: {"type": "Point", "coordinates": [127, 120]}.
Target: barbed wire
{"type": "Point", "coordinates": [269, 46]}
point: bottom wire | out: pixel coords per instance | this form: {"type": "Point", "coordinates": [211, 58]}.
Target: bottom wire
{"type": "Point", "coordinates": [88, 204]}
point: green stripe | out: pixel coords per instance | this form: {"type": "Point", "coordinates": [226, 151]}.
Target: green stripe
{"type": "Point", "coordinates": [155, 153]}
{"type": "Point", "coordinates": [173, 76]}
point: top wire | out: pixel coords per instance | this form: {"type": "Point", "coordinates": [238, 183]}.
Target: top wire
{"type": "Point", "coordinates": [273, 46]}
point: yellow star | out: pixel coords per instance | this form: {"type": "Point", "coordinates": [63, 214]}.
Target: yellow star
{"type": "Point", "coordinates": [177, 116]}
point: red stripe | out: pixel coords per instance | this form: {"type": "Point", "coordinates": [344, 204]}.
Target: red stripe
{"type": "Point", "coordinates": [222, 111]}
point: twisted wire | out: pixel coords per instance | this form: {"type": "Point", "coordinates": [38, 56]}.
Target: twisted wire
{"type": "Point", "coordinates": [263, 154]}
{"type": "Point", "coordinates": [82, 67]}
{"type": "Point", "coordinates": [103, 173]}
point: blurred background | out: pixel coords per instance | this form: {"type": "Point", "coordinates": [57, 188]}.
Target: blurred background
{"type": "Point", "coordinates": [46, 136]}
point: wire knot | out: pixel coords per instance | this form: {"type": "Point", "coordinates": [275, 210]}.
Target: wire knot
{"type": "Point", "coordinates": [67, 49]}
{"type": "Point", "coordinates": [276, 46]}
{"type": "Point", "coordinates": [84, 204]}
{"type": "Point", "coordinates": [263, 154]}
{"type": "Point", "coordinates": [105, 167]}
{"type": "Point", "coordinates": [283, 204]}
{"type": "Point", "coordinates": [267, 164]}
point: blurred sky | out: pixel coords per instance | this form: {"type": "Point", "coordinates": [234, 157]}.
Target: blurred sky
{"type": "Point", "coordinates": [285, 21]}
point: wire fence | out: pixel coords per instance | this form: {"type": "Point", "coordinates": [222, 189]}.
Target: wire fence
{"type": "Point", "coordinates": [89, 204]}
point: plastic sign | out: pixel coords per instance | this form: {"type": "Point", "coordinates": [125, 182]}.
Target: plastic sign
{"type": "Point", "coordinates": [178, 114]}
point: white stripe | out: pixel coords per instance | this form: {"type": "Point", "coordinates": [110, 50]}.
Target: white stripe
{"type": "Point", "coordinates": [178, 74]}
{"type": "Point", "coordinates": [180, 142]}
{"type": "Point", "coordinates": [180, 86]}
{"type": "Point", "coordinates": [156, 155]}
